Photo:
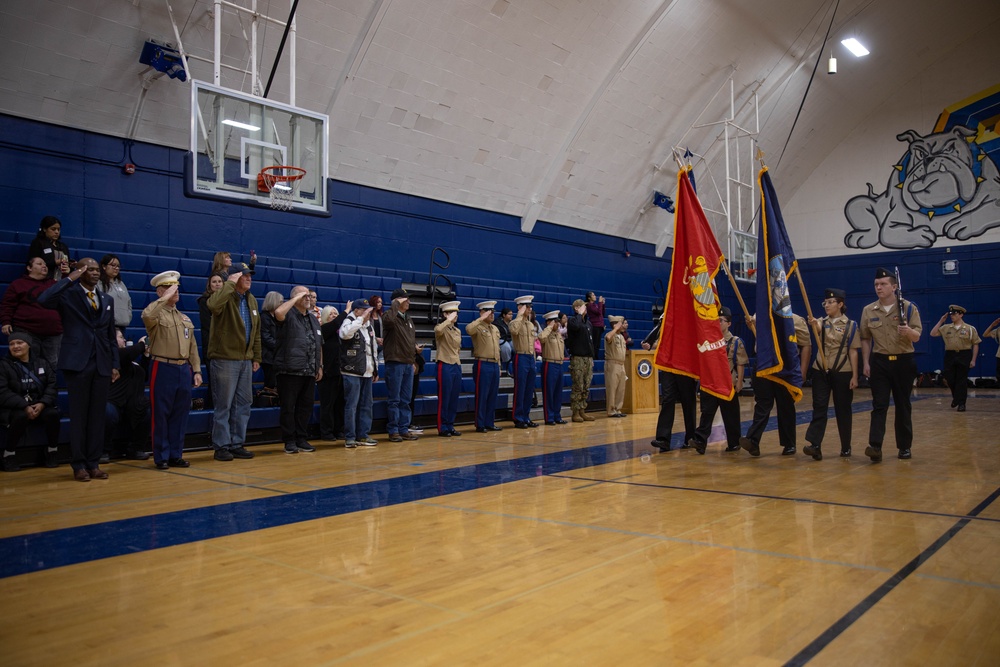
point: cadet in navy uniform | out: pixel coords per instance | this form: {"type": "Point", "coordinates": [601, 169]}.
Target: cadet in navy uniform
{"type": "Point", "coordinates": [961, 347]}
{"type": "Point", "coordinates": [486, 368]}
{"type": "Point", "coordinates": [838, 375]}
{"type": "Point", "coordinates": [736, 352]}
{"type": "Point", "coordinates": [522, 331]}
{"type": "Point", "coordinates": [174, 367]}
{"type": "Point", "coordinates": [88, 359]}
{"type": "Point", "coordinates": [448, 340]}
{"type": "Point", "coordinates": [553, 372]}
{"type": "Point", "coordinates": [887, 338]}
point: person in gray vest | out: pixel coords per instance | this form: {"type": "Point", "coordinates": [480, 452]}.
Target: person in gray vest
{"type": "Point", "coordinates": [298, 362]}
{"type": "Point", "coordinates": [359, 367]}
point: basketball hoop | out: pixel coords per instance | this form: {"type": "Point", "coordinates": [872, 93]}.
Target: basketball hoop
{"type": "Point", "coordinates": [282, 182]}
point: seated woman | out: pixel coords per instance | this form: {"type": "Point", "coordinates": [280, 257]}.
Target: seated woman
{"type": "Point", "coordinates": [27, 394]}
{"type": "Point", "coordinates": [20, 312]}
{"type": "Point", "coordinates": [50, 248]}
{"type": "Point", "coordinates": [110, 283]}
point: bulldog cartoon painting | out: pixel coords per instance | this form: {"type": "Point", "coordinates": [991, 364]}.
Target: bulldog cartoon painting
{"type": "Point", "coordinates": [945, 185]}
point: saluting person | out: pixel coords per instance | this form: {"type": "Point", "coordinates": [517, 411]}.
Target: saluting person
{"type": "Point", "coordinates": [448, 341]}
{"type": "Point", "coordinates": [523, 333]}
{"type": "Point", "coordinates": [486, 368]}
{"type": "Point", "coordinates": [553, 354]}
{"type": "Point", "coordinates": [961, 347]}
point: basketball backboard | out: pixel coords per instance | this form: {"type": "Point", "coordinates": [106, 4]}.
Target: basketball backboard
{"type": "Point", "coordinates": [234, 136]}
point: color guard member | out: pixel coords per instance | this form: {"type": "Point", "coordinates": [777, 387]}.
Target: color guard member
{"type": "Point", "coordinates": [615, 349]}
{"type": "Point", "coordinates": [522, 332]}
{"type": "Point", "coordinates": [553, 354]}
{"type": "Point", "coordinates": [838, 345]}
{"type": "Point", "coordinates": [486, 368]}
{"type": "Point", "coordinates": [961, 347]}
{"type": "Point", "coordinates": [674, 389]}
{"type": "Point", "coordinates": [448, 341]}
{"type": "Point", "coordinates": [174, 366]}
{"type": "Point", "coordinates": [887, 338]}
{"type": "Point", "coordinates": [736, 352]}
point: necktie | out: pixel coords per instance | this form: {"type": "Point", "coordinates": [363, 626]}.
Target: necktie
{"type": "Point", "coordinates": [93, 301]}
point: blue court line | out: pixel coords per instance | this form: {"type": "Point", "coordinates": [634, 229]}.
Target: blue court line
{"type": "Point", "coordinates": [45, 550]}
{"type": "Point", "coordinates": [848, 619]}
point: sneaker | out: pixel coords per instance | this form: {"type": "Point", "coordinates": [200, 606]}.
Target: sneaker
{"type": "Point", "coordinates": [350, 444]}
{"type": "Point", "coordinates": [291, 449]}
{"type": "Point", "coordinates": [10, 464]}
{"type": "Point", "coordinates": [241, 453]}
{"type": "Point", "coordinates": [138, 455]}
{"type": "Point", "coordinates": [52, 457]}
{"type": "Point", "coordinates": [105, 458]}
{"type": "Point", "coordinates": [305, 447]}
{"type": "Point", "coordinates": [408, 436]}
{"type": "Point", "coordinates": [223, 455]}
{"type": "Point", "coordinates": [368, 442]}
{"type": "Point", "coordinates": [395, 437]}
{"type": "Point", "coordinates": [418, 431]}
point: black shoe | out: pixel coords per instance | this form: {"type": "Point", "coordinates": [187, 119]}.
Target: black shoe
{"type": "Point", "coordinates": [560, 421]}
{"type": "Point", "coordinates": [291, 449]}
{"type": "Point", "coordinates": [10, 464]}
{"type": "Point", "coordinates": [732, 448]}
{"type": "Point", "coordinates": [662, 445]}
{"type": "Point", "coordinates": [845, 453]}
{"type": "Point", "coordinates": [105, 458]}
{"type": "Point", "coordinates": [548, 423]}
{"type": "Point", "coordinates": [874, 453]}
{"type": "Point", "coordinates": [686, 444]}
{"type": "Point", "coordinates": [813, 451]}
{"type": "Point", "coordinates": [241, 453]}
{"type": "Point", "coordinates": [304, 447]}
{"type": "Point", "coordinates": [954, 404]}
{"type": "Point", "coordinates": [178, 463]}
{"type": "Point", "coordinates": [697, 445]}
{"type": "Point", "coordinates": [52, 458]}
{"type": "Point", "coordinates": [904, 454]}
{"type": "Point", "coordinates": [163, 465]}
{"type": "Point", "coordinates": [531, 424]}
{"type": "Point", "coordinates": [455, 434]}
{"type": "Point", "coordinates": [223, 455]}
{"type": "Point", "coordinates": [788, 451]}
{"type": "Point", "coordinates": [961, 408]}
{"type": "Point", "coordinates": [480, 429]}
{"type": "Point", "coordinates": [138, 455]}
{"type": "Point", "coordinates": [495, 428]}
{"type": "Point", "coordinates": [520, 425]}
{"type": "Point", "coordinates": [444, 434]}
{"type": "Point", "coordinates": [750, 446]}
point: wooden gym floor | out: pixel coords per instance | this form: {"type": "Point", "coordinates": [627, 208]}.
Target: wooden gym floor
{"type": "Point", "coordinates": [558, 546]}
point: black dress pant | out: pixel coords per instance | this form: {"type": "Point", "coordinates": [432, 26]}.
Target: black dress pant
{"type": "Point", "coordinates": [296, 397]}
{"type": "Point", "coordinates": [331, 406]}
{"type": "Point", "coordinates": [892, 376]}
{"type": "Point", "coordinates": [839, 386]}
{"type": "Point", "coordinates": [88, 400]}
{"type": "Point", "coordinates": [956, 374]}
{"type": "Point", "coordinates": [676, 389]}
{"type": "Point", "coordinates": [767, 394]}
{"type": "Point", "coordinates": [730, 418]}
{"type": "Point", "coordinates": [19, 422]}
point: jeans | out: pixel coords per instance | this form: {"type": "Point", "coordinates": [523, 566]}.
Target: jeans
{"type": "Point", "coordinates": [357, 407]}
{"type": "Point", "coordinates": [399, 382]}
{"type": "Point", "coordinates": [232, 393]}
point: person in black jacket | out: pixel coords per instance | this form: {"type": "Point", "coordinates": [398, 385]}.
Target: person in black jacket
{"type": "Point", "coordinates": [213, 285]}
{"type": "Point", "coordinates": [50, 248]}
{"type": "Point", "coordinates": [674, 388]}
{"type": "Point", "coordinates": [331, 387]}
{"type": "Point", "coordinates": [298, 364]}
{"type": "Point", "coordinates": [127, 399]}
{"type": "Point", "coordinates": [269, 339]}
{"type": "Point", "coordinates": [580, 345]}
{"type": "Point", "coordinates": [27, 394]}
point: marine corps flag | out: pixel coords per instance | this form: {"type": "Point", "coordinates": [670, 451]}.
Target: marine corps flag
{"type": "Point", "coordinates": [691, 341]}
{"type": "Point", "coordinates": [777, 347]}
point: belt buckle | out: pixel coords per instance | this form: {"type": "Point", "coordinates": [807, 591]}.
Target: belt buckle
{"type": "Point", "coordinates": [892, 357]}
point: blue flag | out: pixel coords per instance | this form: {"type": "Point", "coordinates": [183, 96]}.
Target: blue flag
{"type": "Point", "coordinates": [777, 346]}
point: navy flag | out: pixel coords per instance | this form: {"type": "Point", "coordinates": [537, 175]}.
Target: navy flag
{"type": "Point", "coordinates": [777, 347]}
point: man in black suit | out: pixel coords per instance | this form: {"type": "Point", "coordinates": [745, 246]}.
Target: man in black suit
{"type": "Point", "coordinates": [88, 359]}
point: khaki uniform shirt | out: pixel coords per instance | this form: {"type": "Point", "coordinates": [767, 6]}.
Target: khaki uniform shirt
{"type": "Point", "coordinates": [995, 335]}
{"type": "Point", "coordinates": [737, 353]}
{"type": "Point", "coordinates": [614, 349]}
{"type": "Point", "coordinates": [523, 334]}
{"type": "Point", "coordinates": [449, 342]}
{"type": "Point", "coordinates": [879, 323]}
{"type": "Point", "coordinates": [171, 334]}
{"type": "Point", "coordinates": [485, 340]}
{"type": "Point", "coordinates": [801, 331]}
{"type": "Point", "coordinates": [834, 329]}
{"type": "Point", "coordinates": [961, 337]}
{"type": "Point", "coordinates": [553, 345]}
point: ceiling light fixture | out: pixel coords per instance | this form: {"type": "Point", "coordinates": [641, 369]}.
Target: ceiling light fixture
{"type": "Point", "coordinates": [242, 126]}
{"type": "Point", "coordinates": [855, 47]}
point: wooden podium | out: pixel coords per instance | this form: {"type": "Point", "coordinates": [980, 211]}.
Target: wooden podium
{"type": "Point", "coordinates": [642, 391]}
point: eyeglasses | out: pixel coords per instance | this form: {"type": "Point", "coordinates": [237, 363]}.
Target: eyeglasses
{"type": "Point", "coordinates": [829, 301]}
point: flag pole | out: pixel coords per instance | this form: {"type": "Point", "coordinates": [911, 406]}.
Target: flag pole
{"type": "Point", "coordinates": [739, 297]}
{"type": "Point", "coordinates": [817, 332]}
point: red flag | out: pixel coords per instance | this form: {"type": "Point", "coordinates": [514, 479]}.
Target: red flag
{"type": "Point", "coordinates": [691, 341]}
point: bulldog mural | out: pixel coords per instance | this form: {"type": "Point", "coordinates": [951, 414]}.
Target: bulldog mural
{"type": "Point", "coordinates": [944, 185]}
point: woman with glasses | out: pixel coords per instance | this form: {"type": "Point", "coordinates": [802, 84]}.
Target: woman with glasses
{"type": "Point", "coordinates": [111, 284]}
{"type": "Point", "coordinates": [961, 347]}
{"type": "Point", "coordinates": [835, 372]}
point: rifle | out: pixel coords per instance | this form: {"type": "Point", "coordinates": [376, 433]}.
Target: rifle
{"type": "Point", "coordinates": [899, 298]}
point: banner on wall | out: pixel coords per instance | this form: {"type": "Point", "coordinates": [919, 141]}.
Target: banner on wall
{"type": "Point", "coordinates": [691, 341]}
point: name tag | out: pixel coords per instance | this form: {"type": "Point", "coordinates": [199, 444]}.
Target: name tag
{"type": "Point", "coordinates": [47, 251]}
{"type": "Point", "coordinates": [254, 313]}
{"type": "Point", "coordinates": [318, 332]}
{"type": "Point", "coordinates": [187, 333]}
{"type": "Point", "coordinates": [41, 371]}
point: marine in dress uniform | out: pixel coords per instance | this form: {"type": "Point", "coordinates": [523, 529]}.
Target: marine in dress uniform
{"type": "Point", "coordinates": [614, 367]}
{"type": "Point", "coordinates": [553, 354]}
{"type": "Point", "coordinates": [522, 332]}
{"type": "Point", "coordinates": [887, 338]}
{"type": "Point", "coordinates": [837, 376]}
{"type": "Point", "coordinates": [448, 341]}
{"type": "Point", "coordinates": [961, 347]}
{"type": "Point", "coordinates": [486, 367]}
{"type": "Point", "coordinates": [736, 352]}
{"type": "Point", "coordinates": [768, 394]}
{"type": "Point", "coordinates": [174, 367]}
